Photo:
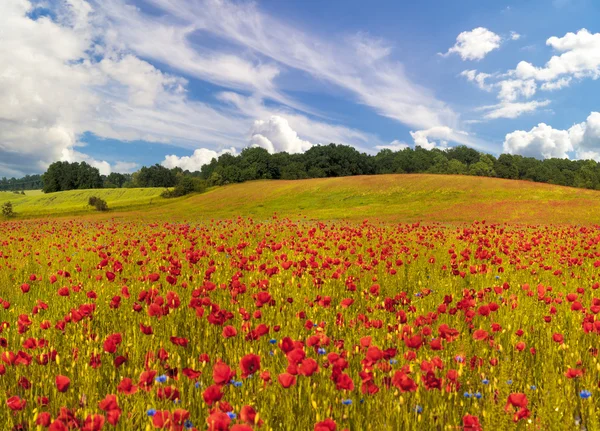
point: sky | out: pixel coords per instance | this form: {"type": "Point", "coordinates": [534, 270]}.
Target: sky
{"type": "Point", "coordinates": [125, 83]}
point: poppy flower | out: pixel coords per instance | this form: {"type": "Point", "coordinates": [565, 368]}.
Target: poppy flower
{"type": "Point", "coordinates": [471, 423]}
{"type": "Point", "coordinates": [62, 383]}
{"type": "Point", "coordinates": [249, 365]}
{"type": "Point", "coordinates": [15, 403]}
{"type": "Point", "coordinates": [212, 394]}
{"type": "Point", "coordinates": [326, 425]}
{"type": "Point", "coordinates": [286, 380]}
{"type": "Point", "coordinates": [222, 373]}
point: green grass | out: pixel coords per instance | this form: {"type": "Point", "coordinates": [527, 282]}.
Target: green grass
{"type": "Point", "coordinates": [395, 198]}
{"type": "Point", "coordinates": [35, 203]}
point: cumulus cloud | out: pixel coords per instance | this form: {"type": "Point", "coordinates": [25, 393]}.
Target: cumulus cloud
{"type": "Point", "coordinates": [275, 135]}
{"type": "Point", "coordinates": [579, 58]}
{"type": "Point", "coordinates": [200, 157]}
{"type": "Point", "coordinates": [125, 167]}
{"type": "Point", "coordinates": [542, 141]}
{"type": "Point", "coordinates": [395, 145]}
{"type": "Point", "coordinates": [437, 137]}
{"type": "Point", "coordinates": [475, 44]}
{"type": "Point", "coordinates": [478, 78]}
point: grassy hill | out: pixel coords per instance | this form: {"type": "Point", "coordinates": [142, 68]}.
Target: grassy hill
{"type": "Point", "coordinates": [35, 203]}
{"type": "Point", "coordinates": [396, 198]}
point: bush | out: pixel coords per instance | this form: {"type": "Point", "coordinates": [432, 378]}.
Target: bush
{"type": "Point", "coordinates": [98, 203]}
{"type": "Point", "coordinates": [7, 209]}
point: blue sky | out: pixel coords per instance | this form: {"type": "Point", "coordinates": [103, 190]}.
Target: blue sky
{"type": "Point", "coordinates": [126, 83]}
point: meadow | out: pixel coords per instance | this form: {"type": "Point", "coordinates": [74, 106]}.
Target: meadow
{"type": "Point", "coordinates": [34, 203]}
{"type": "Point", "coordinates": [183, 317]}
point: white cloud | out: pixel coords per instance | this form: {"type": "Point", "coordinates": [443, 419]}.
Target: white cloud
{"type": "Point", "coordinates": [478, 78]}
{"type": "Point", "coordinates": [437, 137]}
{"type": "Point", "coordinates": [580, 58]}
{"type": "Point", "coordinates": [276, 135]}
{"type": "Point", "coordinates": [475, 44]}
{"type": "Point", "coordinates": [543, 141]}
{"type": "Point", "coordinates": [511, 109]}
{"type": "Point", "coordinates": [125, 167]}
{"type": "Point", "coordinates": [395, 145]}
{"type": "Point", "coordinates": [512, 89]}
{"type": "Point", "coordinates": [200, 157]}
{"type": "Point", "coordinates": [514, 35]}
{"type": "Point", "coordinates": [363, 68]}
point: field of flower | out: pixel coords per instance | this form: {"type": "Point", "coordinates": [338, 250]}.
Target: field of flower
{"type": "Point", "coordinates": [279, 325]}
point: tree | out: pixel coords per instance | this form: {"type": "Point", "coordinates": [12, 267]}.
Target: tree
{"type": "Point", "coordinates": [7, 209]}
{"type": "Point", "coordinates": [156, 176]}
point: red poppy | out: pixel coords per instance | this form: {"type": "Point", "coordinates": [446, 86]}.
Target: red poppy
{"type": "Point", "coordinates": [326, 425]}
{"type": "Point", "coordinates": [212, 394]}
{"type": "Point", "coordinates": [471, 423]}
{"type": "Point", "coordinates": [222, 373]}
{"type": "Point", "coordinates": [249, 365]}
{"type": "Point", "coordinates": [15, 403]}
{"type": "Point", "coordinates": [286, 380]}
{"type": "Point", "coordinates": [62, 383]}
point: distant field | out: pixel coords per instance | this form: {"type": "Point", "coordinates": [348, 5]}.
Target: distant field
{"type": "Point", "coordinates": [395, 198]}
{"type": "Point", "coordinates": [35, 203]}
{"type": "Point", "coordinates": [444, 198]}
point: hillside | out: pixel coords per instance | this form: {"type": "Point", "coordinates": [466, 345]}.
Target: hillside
{"type": "Point", "coordinates": [396, 198]}
{"type": "Point", "coordinates": [444, 198]}
{"type": "Point", "coordinates": [35, 203]}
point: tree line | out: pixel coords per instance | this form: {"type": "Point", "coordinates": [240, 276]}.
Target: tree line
{"type": "Point", "coordinates": [322, 161]}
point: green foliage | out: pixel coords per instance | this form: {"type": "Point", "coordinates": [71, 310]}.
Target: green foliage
{"type": "Point", "coordinates": [62, 176]}
{"type": "Point", "coordinates": [155, 176]}
{"type": "Point", "coordinates": [98, 203]}
{"type": "Point", "coordinates": [7, 209]}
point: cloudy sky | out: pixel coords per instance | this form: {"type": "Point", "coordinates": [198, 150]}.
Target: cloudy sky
{"type": "Point", "coordinates": [126, 83]}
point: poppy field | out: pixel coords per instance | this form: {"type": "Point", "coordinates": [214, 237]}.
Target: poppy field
{"type": "Point", "coordinates": [283, 324]}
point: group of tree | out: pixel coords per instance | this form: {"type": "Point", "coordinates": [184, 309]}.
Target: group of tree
{"type": "Point", "coordinates": [28, 182]}
{"type": "Point", "coordinates": [319, 162]}
{"type": "Point", "coordinates": [341, 160]}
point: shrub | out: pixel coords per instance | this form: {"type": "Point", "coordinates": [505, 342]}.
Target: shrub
{"type": "Point", "coordinates": [7, 209]}
{"type": "Point", "coordinates": [98, 203]}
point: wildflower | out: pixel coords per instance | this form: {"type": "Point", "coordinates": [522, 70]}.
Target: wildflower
{"type": "Point", "coordinates": [231, 415]}
{"type": "Point", "coordinates": [151, 412]}
{"type": "Point", "coordinates": [485, 381]}
{"type": "Point", "coordinates": [585, 394]}
{"type": "Point", "coordinates": [161, 379]}
{"type": "Point", "coordinates": [321, 351]}
{"type": "Point", "coordinates": [347, 402]}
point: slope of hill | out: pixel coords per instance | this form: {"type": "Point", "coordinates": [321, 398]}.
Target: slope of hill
{"type": "Point", "coordinates": [35, 203]}
{"type": "Point", "coordinates": [444, 198]}
{"type": "Point", "coordinates": [395, 198]}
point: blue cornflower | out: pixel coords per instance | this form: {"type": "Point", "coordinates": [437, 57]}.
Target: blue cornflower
{"type": "Point", "coordinates": [485, 381]}
{"type": "Point", "coordinates": [237, 384]}
{"type": "Point", "coordinates": [273, 341]}
{"type": "Point", "coordinates": [321, 351]}
{"type": "Point", "coordinates": [197, 385]}
{"type": "Point", "coordinates": [272, 353]}
{"type": "Point", "coordinates": [231, 415]}
{"type": "Point", "coordinates": [459, 358]}
{"type": "Point", "coordinates": [477, 395]}
{"type": "Point", "coordinates": [151, 412]}
{"type": "Point", "coordinates": [362, 400]}
{"type": "Point", "coordinates": [467, 395]}
{"type": "Point", "coordinates": [509, 382]}
{"type": "Point", "coordinates": [188, 424]}
{"type": "Point", "coordinates": [533, 387]}
{"type": "Point", "coordinates": [347, 402]}
{"type": "Point", "coordinates": [393, 361]}
{"type": "Point", "coordinates": [497, 277]}
{"type": "Point", "coordinates": [161, 379]}
{"type": "Point", "coordinates": [418, 409]}
{"type": "Point", "coordinates": [585, 394]}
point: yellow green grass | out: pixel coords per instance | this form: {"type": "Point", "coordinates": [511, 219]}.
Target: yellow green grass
{"type": "Point", "coordinates": [393, 198]}
{"type": "Point", "coordinates": [35, 203]}
{"type": "Point", "coordinates": [396, 198]}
